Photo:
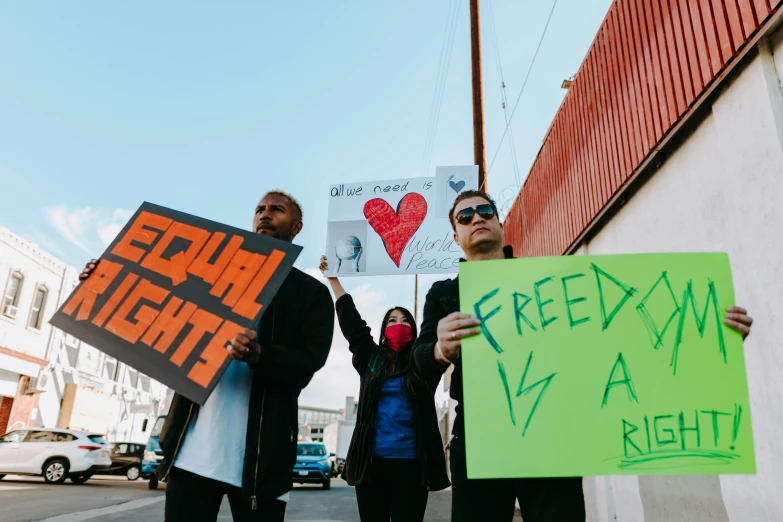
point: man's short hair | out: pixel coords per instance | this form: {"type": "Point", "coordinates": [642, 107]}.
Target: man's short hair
{"type": "Point", "coordinates": [467, 195]}
{"type": "Point", "coordinates": [291, 200]}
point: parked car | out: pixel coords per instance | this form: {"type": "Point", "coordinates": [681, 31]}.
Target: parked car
{"type": "Point", "coordinates": [54, 453]}
{"type": "Point", "coordinates": [153, 454]}
{"type": "Point", "coordinates": [313, 464]}
{"type": "Point", "coordinates": [126, 459]}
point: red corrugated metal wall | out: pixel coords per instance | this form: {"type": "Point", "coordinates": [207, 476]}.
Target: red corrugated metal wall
{"type": "Point", "coordinates": [650, 61]}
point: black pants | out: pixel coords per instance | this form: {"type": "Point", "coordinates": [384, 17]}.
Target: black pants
{"type": "Point", "coordinates": [540, 499]}
{"type": "Point", "coordinates": [192, 498]}
{"type": "Point", "coordinates": [394, 493]}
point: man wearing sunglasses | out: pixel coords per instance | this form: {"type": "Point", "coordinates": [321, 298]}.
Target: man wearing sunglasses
{"type": "Point", "coordinates": [478, 231]}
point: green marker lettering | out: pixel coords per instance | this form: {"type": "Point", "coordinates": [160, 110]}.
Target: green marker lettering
{"type": "Point", "coordinates": [518, 314]}
{"type": "Point", "coordinates": [545, 321]}
{"type": "Point", "coordinates": [627, 439]}
{"type": "Point", "coordinates": [626, 381]}
{"type": "Point", "coordinates": [701, 323]}
{"type": "Point", "coordinates": [570, 302]}
{"type": "Point", "coordinates": [658, 440]}
{"type": "Point", "coordinates": [484, 318]}
{"type": "Point", "coordinates": [683, 429]}
{"type": "Point", "coordinates": [715, 414]}
{"type": "Point", "coordinates": [628, 291]}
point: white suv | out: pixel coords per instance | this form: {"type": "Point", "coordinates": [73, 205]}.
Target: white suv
{"type": "Point", "coordinates": [55, 453]}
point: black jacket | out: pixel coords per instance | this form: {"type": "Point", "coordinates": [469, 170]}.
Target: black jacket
{"type": "Point", "coordinates": [295, 335]}
{"type": "Point", "coordinates": [442, 300]}
{"type": "Point", "coordinates": [429, 446]}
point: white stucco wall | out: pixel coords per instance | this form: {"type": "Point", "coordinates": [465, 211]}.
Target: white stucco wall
{"type": "Point", "coordinates": [38, 269]}
{"type": "Point", "coordinates": [721, 190]}
{"type": "Point", "coordinates": [86, 365]}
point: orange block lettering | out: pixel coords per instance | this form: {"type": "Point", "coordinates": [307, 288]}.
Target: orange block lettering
{"type": "Point", "coordinates": [203, 322]}
{"type": "Point", "coordinates": [84, 298]}
{"type": "Point", "coordinates": [238, 275]}
{"type": "Point", "coordinates": [201, 267]}
{"type": "Point", "coordinates": [111, 304]}
{"type": "Point", "coordinates": [137, 232]}
{"type": "Point", "coordinates": [169, 324]}
{"type": "Point", "coordinates": [247, 305]}
{"type": "Point", "coordinates": [176, 268]}
{"type": "Point", "coordinates": [214, 354]}
{"type": "Point", "coordinates": [119, 324]}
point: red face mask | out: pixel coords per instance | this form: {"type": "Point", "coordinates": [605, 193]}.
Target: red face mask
{"type": "Point", "coordinates": [398, 336]}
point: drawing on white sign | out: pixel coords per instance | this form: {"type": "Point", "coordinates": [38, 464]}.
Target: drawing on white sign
{"type": "Point", "coordinates": [451, 181]}
{"type": "Point", "coordinates": [396, 226]}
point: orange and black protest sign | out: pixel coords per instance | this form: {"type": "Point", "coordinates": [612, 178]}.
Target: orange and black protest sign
{"type": "Point", "coordinates": [171, 291]}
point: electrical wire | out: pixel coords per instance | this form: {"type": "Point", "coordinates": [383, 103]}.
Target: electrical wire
{"type": "Point", "coordinates": [524, 84]}
{"type": "Point", "coordinates": [504, 100]}
{"type": "Point", "coordinates": [447, 48]}
{"type": "Point", "coordinates": [508, 201]}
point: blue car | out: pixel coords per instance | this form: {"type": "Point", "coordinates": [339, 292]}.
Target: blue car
{"type": "Point", "coordinates": [153, 454]}
{"type": "Point", "coordinates": [313, 464]}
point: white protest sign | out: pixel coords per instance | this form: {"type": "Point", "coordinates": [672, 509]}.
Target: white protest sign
{"type": "Point", "coordinates": [396, 227]}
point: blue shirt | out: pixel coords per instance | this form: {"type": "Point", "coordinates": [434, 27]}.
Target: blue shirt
{"type": "Point", "coordinates": [214, 445]}
{"type": "Point", "coordinates": [395, 437]}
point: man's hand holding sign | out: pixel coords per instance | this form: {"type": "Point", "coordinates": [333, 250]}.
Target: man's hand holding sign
{"type": "Point", "coordinates": [245, 347]}
{"type": "Point", "coordinates": [452, 329]}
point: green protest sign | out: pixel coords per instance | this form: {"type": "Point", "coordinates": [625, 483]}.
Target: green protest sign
{"type": "Point", "coordinates": [604, 365]}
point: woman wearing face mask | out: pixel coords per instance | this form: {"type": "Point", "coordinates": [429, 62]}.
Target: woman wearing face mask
{"type": "Point", "coordinates": [396, 455]}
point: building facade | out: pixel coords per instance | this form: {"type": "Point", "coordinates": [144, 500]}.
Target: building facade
{"type": "Point", "coordinates": [42, 368]}
{"type": "Point", "coordinates": [312, 422]}
{"type": "Point", "coordinates": [670, 139]}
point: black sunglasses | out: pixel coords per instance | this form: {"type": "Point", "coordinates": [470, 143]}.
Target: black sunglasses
{"type": "Point", "coordinates": [465, 216]}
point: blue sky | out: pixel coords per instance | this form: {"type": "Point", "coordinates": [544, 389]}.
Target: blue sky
{"type": "Point", "coordinates": [203, 106]}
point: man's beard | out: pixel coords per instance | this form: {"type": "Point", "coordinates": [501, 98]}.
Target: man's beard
{"type": "Point", "coordinates": [486, 245]}
{"type": "Point", "coordinates": [284, 234]}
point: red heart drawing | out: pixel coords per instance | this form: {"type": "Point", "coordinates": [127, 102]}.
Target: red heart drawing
{"type": "Point", "coordinates": [396, 228]}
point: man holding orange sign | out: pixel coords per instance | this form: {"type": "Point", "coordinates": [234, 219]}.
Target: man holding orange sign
{"type": "Point", "coordinates": [241, 442]}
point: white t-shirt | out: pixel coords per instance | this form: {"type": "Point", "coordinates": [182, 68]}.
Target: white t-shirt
{"type": "Point", "coordinates": [219, 454]}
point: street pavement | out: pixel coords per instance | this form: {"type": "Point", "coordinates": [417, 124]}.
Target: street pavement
{"type": "Point", "coordinates": [24, 499]}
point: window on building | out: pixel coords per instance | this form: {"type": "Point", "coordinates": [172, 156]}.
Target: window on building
{"type": "Point", "coordinates": [36, 313]}
{"type": "Point", "coordinates": [12, 292]}
{"type": "Point", "coordinates": [110, 367]}
{"type": "Point", "coordinates": [90, 360]}
{"type": "Point", "coordinates": [132, 378]}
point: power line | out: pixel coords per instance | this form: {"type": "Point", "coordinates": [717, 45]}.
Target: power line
{"type": "Point", "coordinates": [508, 195]}
{"type": "Point", "coordinates": [440, 84]}
{"type": "Point", "coordinates": [446, 52]}
{"type": "Point", "coordinates": [437, 81]}
{"type": "Point", "coordinates": [524, 84]}
{"type": "Point", "coordinates": [498, 62]}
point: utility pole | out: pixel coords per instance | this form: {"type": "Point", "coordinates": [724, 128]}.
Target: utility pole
{"type": "Point", "coordinates": [479, 152]}
{"type": "Point", "coordinates": [416, 301]}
